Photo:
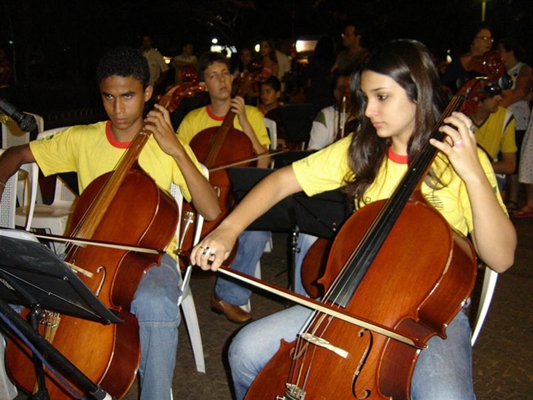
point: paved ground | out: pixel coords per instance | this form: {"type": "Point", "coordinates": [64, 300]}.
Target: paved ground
{"type": "Point", "coordinates": [503, 354]}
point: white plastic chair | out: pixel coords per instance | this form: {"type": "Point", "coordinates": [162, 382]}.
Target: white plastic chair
{"type": "Point", "coordinates": [487, 291]}
{"type": "Point", "coordinates": [8, 202]}
{"type": "Point", "coordinates": [272, 132]}
{"type": "Point", "coordinates": [28, 196]}
{"type": "Point", "coordinates": [186, 300]}
{"type": "Point", "coordinates": [51, 217]}
{"type": "Point", "coordinates": [13, 136]}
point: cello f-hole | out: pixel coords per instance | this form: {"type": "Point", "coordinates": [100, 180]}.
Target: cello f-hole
{"type": "Point", "coordinates": [101, 269]}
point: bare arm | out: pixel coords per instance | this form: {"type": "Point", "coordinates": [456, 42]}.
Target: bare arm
{"type": "Point", "coordinates": [493, 234]}
{"type": "Point", "coordinates": [259, 200]}
{"type": "Point", "coordinates": [203, 195]}
{"type": "Point", "coordinates": [507, 165]}
{"type": "Point", "coordinates": [524, 85]}
{"type": "Point", "coordinates": [11, 160]}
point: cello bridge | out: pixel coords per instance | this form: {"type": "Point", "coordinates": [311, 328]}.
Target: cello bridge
{"type": "Point", "coordinates": [293, 393]}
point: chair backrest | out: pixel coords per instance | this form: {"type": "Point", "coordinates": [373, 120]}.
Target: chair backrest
{"type": "Point", "coordinates": [178, 196]}
{"type": "Point", "coordinates": [272, 132]}
{"type": "Point", "coordinates": [63, 195]}
{"type": "Point", "coordinates": [8, 202]}
{"type": "Point", "coordinates": [487, 291]}
{"type": "Point", "coordinates": [176, 193]}
{"type": "Point", "coordinates": [30, 192]}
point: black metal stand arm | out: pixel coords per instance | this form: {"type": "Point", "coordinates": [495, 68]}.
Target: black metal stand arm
{"type": "Point", "coordinates": [30, 336]}
{"type": "Point", "coordinates": [32, 276]}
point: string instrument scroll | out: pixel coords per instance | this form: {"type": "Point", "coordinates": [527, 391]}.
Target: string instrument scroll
{"type": "Point", "coordinates": [395, 262]}
{"type": "Point", "coordinates": [107, 354]}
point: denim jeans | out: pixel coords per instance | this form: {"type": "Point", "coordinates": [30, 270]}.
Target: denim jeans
{"type": "Point", "coordinates": [251, 247]}
{"type": "Point", "coordinates": [155, 306]}
{"type": "Point", "coordinates": [443, 370]}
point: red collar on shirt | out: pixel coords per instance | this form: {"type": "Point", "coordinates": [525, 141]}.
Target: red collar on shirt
{"type": "Point", "coordinates": [213, 116]}
{"type": "Point", "coordinates": [398, 159]}
{"type": "Point", "coordinates": [112, 141]}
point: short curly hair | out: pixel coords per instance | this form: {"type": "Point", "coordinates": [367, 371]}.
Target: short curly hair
{"type": "Point", "coordinates": [123, 61]}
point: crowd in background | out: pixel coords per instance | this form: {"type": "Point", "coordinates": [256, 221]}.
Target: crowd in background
{"type": "Point", "coordinates": [501, 120]}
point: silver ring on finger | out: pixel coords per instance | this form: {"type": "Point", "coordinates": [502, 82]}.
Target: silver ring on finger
{"type": "Point", "coordinates": [207, 251]}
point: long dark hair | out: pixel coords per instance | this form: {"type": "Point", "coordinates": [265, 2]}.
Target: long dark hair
{"type": "Point", "coordinates": [409, 63]}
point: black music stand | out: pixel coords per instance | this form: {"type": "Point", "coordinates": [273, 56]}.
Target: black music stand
{"type": "Point", "coordinates": [32, 276]}
{"type": "Point", "coordinates": [297, 120]}
{"type": "Point", "coordinates": [278, 218]}
{"type": "Point", "coordinates": [321, 215]}
{"type": "Point", "coordinates": [288, 157]}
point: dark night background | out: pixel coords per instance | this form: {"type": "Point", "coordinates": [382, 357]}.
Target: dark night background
{"type": "Point", "coordinates": [55, 44]}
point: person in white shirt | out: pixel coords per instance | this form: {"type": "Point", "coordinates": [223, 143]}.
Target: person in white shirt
{"type": "Point", "coordinates": [156, 62]}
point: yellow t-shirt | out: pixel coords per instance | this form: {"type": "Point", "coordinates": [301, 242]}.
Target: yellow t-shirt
{"type": "Point", "coordinates": [497, 133]}
{"type": "Point", "coordinates": [91, 151]}
{"type": "Point", "coordinates": [328, 169]}
{"type": "Point", "coordinates": [202, 118]}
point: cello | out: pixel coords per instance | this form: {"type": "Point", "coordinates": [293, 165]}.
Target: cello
{"type": "Point", "coordinates": [378, 270]}
{"type": "Point", "coordinates": [106, 354]}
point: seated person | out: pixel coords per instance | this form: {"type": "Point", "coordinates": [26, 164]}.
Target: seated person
{"type": "Point", "coordinates": [334, 122]}
{"type": "Point", "coordinates": [495, 133]}
{"type": "Point", "coordinates": [214, 72]}
{"type": "Point", "coordinates": [270, 94]}
{"type": "Point", "coordinates": [92, 150]}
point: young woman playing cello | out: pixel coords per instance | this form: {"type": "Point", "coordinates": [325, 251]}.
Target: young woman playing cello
{"type": "Point", "coordinates": [398, 94]}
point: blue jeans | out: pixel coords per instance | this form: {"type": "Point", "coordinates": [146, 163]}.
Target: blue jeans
{"type": "Point", "coordinates": [155, 306]}
{"type": "Point", "coordinates": [251, 247]}
{"type": "Point", "coordinates": [443, 370]}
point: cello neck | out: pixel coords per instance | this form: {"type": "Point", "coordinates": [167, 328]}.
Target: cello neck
{"type": "Point", "coordinates": [95, 214]}
{"type": "Point", "coordinates": [220, 136]}
{"type": "Point", "coordinates": [218, 139]}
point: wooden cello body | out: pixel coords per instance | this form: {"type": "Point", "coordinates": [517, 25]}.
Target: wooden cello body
{"type": "Point", "coordinates": [371, 365]}
{"type": "Point", "coordinates": [107, 354]}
